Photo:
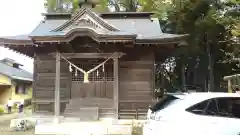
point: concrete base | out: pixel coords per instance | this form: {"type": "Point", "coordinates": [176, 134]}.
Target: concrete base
{"type": "Point", "coordinates": [73, 126]}
{"type": "Point", "coordinates": [83, 128]}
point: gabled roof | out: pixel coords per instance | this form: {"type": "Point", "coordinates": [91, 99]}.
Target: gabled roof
{"type": "Point", "coordinates": [84, 22]}
{"type": "Point", "coordinates": [15, 73]}
{"type": "Point", "coordinates": [87, 17]}
{"type": "Point", "coordinates": [132, 27]}
{"type": "Point", "coordinates": [137, 26]}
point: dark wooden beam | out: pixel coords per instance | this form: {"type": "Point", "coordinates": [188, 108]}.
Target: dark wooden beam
{"type": "Point", "coordinates": [90, 55]}
{"type": "Point", "coordinates": [66, 48]}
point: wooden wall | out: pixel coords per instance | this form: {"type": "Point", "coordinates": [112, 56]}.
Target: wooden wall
{"type": "Point", "coordinates": [136, 83]}
{"type": "Point", "coordinates": [44, 83]}
{"type": "Point", "coordinates": [100, 89]}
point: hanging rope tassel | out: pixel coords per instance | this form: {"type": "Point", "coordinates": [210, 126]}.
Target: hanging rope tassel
{"type": "Point", "coordinates": [70, 67]}
{"type": "Point", "coordinates": [76, 72]}
{"type": "Point", "coordinates": [103, 69]}
{"type": "Point", "coordinates": [97, 73]}
{"type": "Point", "coordinates": [85, 78]}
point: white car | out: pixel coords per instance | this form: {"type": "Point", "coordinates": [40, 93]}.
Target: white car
{"type": "Point", "coordinates": [208, 113]}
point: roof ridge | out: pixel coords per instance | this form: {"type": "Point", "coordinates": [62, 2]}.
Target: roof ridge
{"type": "Point", "coordinates": [11, 74]}
{"type": "Point", "coordinates": [13, 67]}
{"type": "Point", "coordinates": [81, 12]}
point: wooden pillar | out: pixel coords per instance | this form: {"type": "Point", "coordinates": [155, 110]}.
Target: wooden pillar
{"type": "Point", "coordinates": [35, 62]}
{"type": "Point", "coordinates": [229, 86]}
{"type": "Point", "coordinates": [115, 86]}
{"type": "Point", "coordinates": [57, 90]}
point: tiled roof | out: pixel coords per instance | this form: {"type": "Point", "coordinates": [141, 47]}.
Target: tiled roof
{"type": "Point", "coordinates": [15, 73]}
{"type": "Point", "coordinates": [144, 27]}
{"type": "Point", "coordinates": [138, 26]}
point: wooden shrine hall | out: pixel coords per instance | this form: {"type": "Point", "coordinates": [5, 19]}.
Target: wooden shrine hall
{"type": "Point", "coordinates": [91, 65]}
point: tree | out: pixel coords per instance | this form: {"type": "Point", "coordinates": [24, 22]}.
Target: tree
{"type": "Point", "coordinates": [209, 30]}
{"type": "Point", "coordinates": [105, 5]}
{"type": "Point", "coordinates": [72, 5]}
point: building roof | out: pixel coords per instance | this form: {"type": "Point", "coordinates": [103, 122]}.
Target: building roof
{"type": "Point", "coordinates": [139, 25]}
{"type": "Point", "coordinates": [11, 61]}
{"type": "Point", "coordinates": [15, 73]}
{"type": "Point", "coordinates": [134, 27]}
{"type": "Point", "coordinates": [4, 84]}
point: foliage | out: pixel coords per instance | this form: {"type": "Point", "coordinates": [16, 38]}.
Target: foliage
{"type": "Point", "coordinates": [2, 109]}
{"type": "Point", "coordinates": [71, 6]}
{"type": "Point", "coordinates": [210, 27]}
{"type": "Point", "coordinates": [105, 5]}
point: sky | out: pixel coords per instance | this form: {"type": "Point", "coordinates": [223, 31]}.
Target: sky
{"type": "Point", "coordinates": [19, 17]}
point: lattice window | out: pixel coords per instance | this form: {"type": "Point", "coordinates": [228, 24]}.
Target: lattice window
{"type": "Point", "coordinates": [97, 75]}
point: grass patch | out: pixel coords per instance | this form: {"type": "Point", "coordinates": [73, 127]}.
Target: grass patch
{"type": "Point", "coordinates": [2, 109]}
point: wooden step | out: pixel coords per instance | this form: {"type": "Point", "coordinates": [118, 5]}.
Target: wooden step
{"type": "Point", "coordinates": [90, 102]}
{"type": "Point", "coordinates": [87, 113]}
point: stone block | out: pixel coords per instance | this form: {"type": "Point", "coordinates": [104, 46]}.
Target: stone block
{"type": "Point", "coordinates": [22, 124]}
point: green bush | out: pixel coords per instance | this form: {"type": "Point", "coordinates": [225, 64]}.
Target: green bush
{"type": "Point", "coordinates": [1, 110]}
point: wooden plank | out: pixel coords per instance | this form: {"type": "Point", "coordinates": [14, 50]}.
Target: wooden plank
{"type": "Point", "coordinates": [48, 101]}
{"type": "Point", "coordinates": [135, 78]}
{"type": "Point", "coordinates": [136, 64]}
{"type": "Point", "coordinates": [95, 89]}
{"type": "Point", "coordinates": [134, 97]}
{"type": "Point", "coordinates": [49, 65]}
{"type": "Point", "coordinates": [91, 55]}
{"type": "Point", "coordinates": [63, 76]}
{"type": "Point", "coordinates": [134, 105]}
{"type": "Point", "coordinates": [135, 101]}
{"type": "Point", "coordinates": [138, 92]}
{"type": "Point", "coordinates": [106, 112]}
{"type": "Point", "coordinates": [135, 85]}
{"type": "Point", "coordinates": [45, 56]}
{"type": "Point", "coordinates": [34, 74]}
{"type": "Point", "coordinates": [49, 96]}
{"type": "Point", "coordinates": [44, 89]}
{"type": "Point", "coordinates": [45, 107]}
{"type": "Point", "coordinates": [34, 85]}
{"type": "Point", "coordinates": [50, 83]}
{"type": "Point", "coordinates": [116, 86]}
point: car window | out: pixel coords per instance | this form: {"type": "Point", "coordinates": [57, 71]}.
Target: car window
{"type": "Point", "coordinates": [229, 107]}
{"type": "Point", "coordinates": [164, 102]}
{"type": "Point", "coordinates": [212, 108]}
{"type": "Point", "coordinates": [222, 106]}
{"type": "Point", "coordinates": [198, 108]}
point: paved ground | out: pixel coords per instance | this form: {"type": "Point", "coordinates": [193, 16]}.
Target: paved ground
{"type": "Point", "coordinates": [4, 129]}
{"type": "Point", "coordinates": [5, 122]}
